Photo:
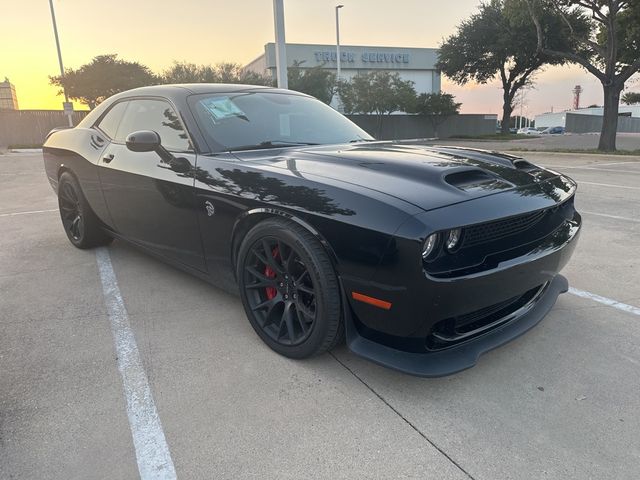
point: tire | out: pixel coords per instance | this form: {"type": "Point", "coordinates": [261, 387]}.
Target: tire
{"type": "Point", "coordinates": [289, 289]}
{"type": "Point", "coordinates": [81, 225]}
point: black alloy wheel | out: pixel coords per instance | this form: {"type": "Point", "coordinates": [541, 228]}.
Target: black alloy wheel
{"type": "Point", "coordinates": [289, 289]}
{"type": "Point", "coordinates": [71, 212]}
{"type": "Point", "coordinates": [81, 225]}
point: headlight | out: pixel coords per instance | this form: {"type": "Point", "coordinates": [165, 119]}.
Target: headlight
{"type": "Point", "coordinates": [429, 245]}
{"type": "Point", "coordinates": [453, 239]}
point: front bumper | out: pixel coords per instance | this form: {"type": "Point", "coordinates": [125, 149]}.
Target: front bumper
{"type": "Point", "coordinates": [460, 357]}
{"type": "Point", "coordinates": [437, 326]}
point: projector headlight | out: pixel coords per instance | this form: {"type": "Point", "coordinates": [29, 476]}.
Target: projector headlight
{"type": "Point", "coordinates": [429, 245]}
{"type": "Point", "coordinates": [453, 239]}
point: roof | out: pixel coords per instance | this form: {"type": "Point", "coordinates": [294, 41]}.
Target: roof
{"type": "Point", "coordinates": [175, 91]}
{"type": "Point", "coordinates": [194, 88]}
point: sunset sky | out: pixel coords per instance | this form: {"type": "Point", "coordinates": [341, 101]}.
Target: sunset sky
{"type": "Point", "coordinates": [158, 32]}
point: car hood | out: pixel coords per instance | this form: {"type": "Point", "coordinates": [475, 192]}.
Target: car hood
{"type": "Point", "coordinates": [426, 176]}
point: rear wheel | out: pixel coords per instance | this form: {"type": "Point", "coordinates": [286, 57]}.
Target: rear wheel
{"type": "Point", "coordinates": [80, 223]}
{"type": "Point", "coordinates": [289, 289]}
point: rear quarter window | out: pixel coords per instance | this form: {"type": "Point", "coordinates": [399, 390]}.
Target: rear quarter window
{"type": "Point", "coordinates": [109, 123]}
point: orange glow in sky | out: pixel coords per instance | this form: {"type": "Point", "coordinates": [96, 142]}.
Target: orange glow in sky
{"type": "Point", "coordinates": [158, 32]}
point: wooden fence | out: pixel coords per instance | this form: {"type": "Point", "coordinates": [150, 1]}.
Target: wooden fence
{"type": "Point", "coordinates": [28, 128]}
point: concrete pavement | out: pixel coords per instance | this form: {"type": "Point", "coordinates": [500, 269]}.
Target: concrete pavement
{"type": "Point", "coordinates": [560, 402]}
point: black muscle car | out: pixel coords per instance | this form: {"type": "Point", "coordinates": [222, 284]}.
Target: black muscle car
{"type": "Point", "coordinates": [424, 257]}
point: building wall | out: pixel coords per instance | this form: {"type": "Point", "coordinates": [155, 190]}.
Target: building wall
{"type": "Point", "coordinates": [559, 119]}
{"type": "Point", "coordinates": [423, 82]}
{"type": "Point", "coordinates": [30, 127]}
{"type": "Point", "coordinates": [581, 123]}
{"type": "Point", "coordinates": [8, 98]}
{"type": "Point", "coordinates": [402, 127]}
{"type": "Point", "coordinates": [415, 64]}
{"type": "Point", "coordinates": [551, 120]}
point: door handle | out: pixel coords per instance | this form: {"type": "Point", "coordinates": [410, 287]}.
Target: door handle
{"type": "Point", "coordinates": [108, 158]}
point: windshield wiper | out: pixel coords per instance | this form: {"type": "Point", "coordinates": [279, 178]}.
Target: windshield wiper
{"type": "Point", "coordinates": [270, 144]}
{"type": "Point", "coordinates": [355, 140]}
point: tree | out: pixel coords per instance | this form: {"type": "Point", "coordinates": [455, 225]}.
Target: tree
{"type": "Point", "coordinates": [104, 76]}
{"type": "Point", "coordinates": [315, 81]}
{"type": "Point", "coordinates": [609, 49]}
{"type": "Point", "coordinates": [500, 42]}
{"type": "Point", "coordinates": [226, 72]}
{"type": "Point", "coordinates": [378, 92]}
{"type": "Point", "coordinates": [631, 98]}
{"type": "Point", "coordinates": [183, 72]}
{"type": "Point", "coordinates": [437, 107]}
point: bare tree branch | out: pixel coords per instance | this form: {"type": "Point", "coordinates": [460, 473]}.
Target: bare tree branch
{"type": "Point", "coordinates": [630, 70]}
{"type": "Point", "coordinates": [568, 55]}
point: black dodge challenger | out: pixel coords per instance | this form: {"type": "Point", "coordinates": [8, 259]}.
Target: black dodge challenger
{"type": "Point", "coordinates": [423, 257]}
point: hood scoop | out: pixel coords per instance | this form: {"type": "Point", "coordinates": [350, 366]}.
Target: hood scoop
{"type": "Point", "coordinates": [476, 180]}
{"type": "Point", "coordinates": [525, 166]}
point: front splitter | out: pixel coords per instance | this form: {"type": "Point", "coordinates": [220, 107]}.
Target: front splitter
{"type": "Point", "coordinates": [458, 358]}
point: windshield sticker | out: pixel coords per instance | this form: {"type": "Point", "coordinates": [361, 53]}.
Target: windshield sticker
{"type": "Point", "coordinates": [285, 125]}
{"type": "Point", "coordinates": [221, 108]}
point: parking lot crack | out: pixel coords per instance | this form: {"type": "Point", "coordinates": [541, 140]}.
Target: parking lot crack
{"type": "Point", "coordinates": [403, 418]}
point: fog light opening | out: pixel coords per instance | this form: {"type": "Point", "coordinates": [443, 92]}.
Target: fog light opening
{"type": "Point", "coordinates": [453, 239]}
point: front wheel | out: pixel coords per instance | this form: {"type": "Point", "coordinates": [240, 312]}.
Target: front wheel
{"type": "Point", "coordinates": [80, 223]}
{"type": "Point", "coordinates": [289, 289]}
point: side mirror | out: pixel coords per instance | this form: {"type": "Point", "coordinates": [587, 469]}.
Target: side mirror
{"type": "Point", "coordinates": [143, 141]}
{"type": "Point", "coordinates": [147, 141]}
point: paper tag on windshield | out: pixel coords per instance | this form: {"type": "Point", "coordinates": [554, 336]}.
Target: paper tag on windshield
{"type": "Point", "coordinates": [285, 125]}
{"type": "Point", "coordinates": [222, 107]}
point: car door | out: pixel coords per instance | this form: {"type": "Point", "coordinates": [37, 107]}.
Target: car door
{"type": "Point", "coordinates": [151, 200]}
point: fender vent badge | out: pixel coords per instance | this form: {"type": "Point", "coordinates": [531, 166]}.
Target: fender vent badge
{"type": "Point", "coordinates": [211, 210]}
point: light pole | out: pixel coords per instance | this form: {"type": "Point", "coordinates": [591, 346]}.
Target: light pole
{"type": "Point", "coordinates": [66, 103]}
{"type": "Point", "coordinates": [281, 51]}
{"type": "Point", "coordinates": [338, 7]}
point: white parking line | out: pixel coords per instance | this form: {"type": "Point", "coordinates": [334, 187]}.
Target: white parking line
{"type": "Point", "coordinates": [605, 301]}
{"type": "Point", "coordinates": [559, 167]}
{"type": "Point", "coordinates": [608, 185]}
{"type": "Point", "coordinates": [611, 163]}
{"type": "Point", "coordinates": [616, 217]}
{"type": "Point", "coordinates": [152, 451]}
{"type": "Point", "coordinates": [27, 213]}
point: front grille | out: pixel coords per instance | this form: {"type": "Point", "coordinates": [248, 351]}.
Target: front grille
{"type": "Point", "coordinates": [488, 232]}
{"type": "Point", "coordinates": [462, 328]}
{"type": "Point", "coordinates": [486, 245]}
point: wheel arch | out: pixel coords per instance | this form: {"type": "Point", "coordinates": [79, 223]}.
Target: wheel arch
{"type": "Point", "coordinates": [250, 218]}
{"type": "Point", "coordinates": [64, 168]}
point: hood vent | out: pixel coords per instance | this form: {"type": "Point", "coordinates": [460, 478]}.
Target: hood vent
{"type": "Point", "coordinates": [525, 166]}
{"type": "Point", "coordinates": [469, 180]}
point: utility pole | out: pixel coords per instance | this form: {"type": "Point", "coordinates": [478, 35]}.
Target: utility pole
{"type": "Point", "coordinates": [281, 52]}
{"type": "Point", "coordinates": [338, 7]}
{"type": "Point", "coordinates": [67, 106]}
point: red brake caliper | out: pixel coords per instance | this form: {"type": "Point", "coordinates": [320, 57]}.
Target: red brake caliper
{"type": "Point", "coordinates": [268, 271]}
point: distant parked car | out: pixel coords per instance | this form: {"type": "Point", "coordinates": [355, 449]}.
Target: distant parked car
{"type": "Point", "coordinates": [553, 131]}
{"type": "Point", "coordinates": [528, 131]}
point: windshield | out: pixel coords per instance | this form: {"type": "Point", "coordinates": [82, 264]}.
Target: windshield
{"type": "Point", "coordinates": [241, 121]}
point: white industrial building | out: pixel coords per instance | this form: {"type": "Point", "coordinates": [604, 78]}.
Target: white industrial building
{"type": "Point", "coordinates": [415, 64]}
{"type": "Point", "coordinates": [559, 119]}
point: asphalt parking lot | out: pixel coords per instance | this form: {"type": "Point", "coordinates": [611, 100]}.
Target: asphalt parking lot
{"type": "Point", "coordinates": [560, 402]}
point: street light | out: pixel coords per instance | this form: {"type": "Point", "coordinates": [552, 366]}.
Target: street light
{"type": "Point", "coordinates": [66, 103]}
{"type": "Point", "coordinates": [338, 7]}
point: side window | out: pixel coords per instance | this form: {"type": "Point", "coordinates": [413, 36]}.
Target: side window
{"type": "Point", "coordinates": [158, 116]}
{"type": "Point", "coordinates": [109, 123]}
